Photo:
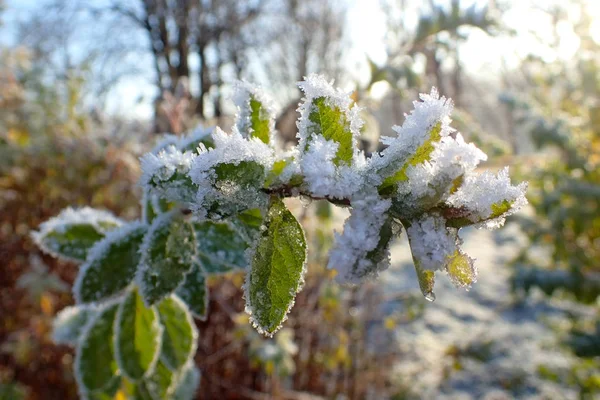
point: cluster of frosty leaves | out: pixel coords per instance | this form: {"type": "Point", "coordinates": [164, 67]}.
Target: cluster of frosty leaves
{"type": "Point", "coordinates": [213, 204]}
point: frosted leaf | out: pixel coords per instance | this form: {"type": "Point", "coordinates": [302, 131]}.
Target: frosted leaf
{"type": "Point", "coordinates": [180, 336]}
{"type": "Point", "coordinates": [285, 171]}
{"type": "Point", "coordinates": [166, 174]}
{"type": "Point", "coordinates": [188, 142]}
{"type": "Point", "coordinates": [186, 383]}
{"type": "Point", "coordinates": [256, 115]}
{"type": "Point", "coordinates": [433, 180]}
{"type": "Point", "coordinates": [328, 129]}
{"type": "Point", "coordinates": [193, 291]}
{"type": "Point", "coordinates": [230, 176]}
{"type": "Point", "coordinates": [157, 385]}
{"type": "Point", "coordinates": [68, 325]}
{"type": "Point", "coordinates": [431, 242]}
{"type": "Point", "coordinates": [436, 247]}
{"type": "Point", "coordinates": [198, 138]}
{"type": "Point", "coordinates": [95, 365]}
{"type": "Point", "coordinates": [322, 177]}
{"type": "Point", "coordinates": [107, 393]}
{"type": "Point", "coordinates": [317, 88]}
{"type": "Point", "coordinates": [74, 231]}
{"type": "Point", "coordinates": [167, 254]}
{"type": "Point", "coordinates": [487, 199]}
{"type": "Point", "coordinates": [276, 273]}
{"type": "Point", "coordinates": [221, 248]}
{"type": "Point", "coordinates": [137, 337]}
{"type": "Point", "coordinates": [430, 116]}
{"type": "Point", "coordinates": [362, 250]}
{"type": "Point", "coordinates": [110, 265]}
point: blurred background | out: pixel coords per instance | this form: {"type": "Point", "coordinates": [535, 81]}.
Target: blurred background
{"type": "Point", "coordinates": [86, 86]}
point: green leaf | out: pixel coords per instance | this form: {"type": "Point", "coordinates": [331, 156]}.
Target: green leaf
{"type": "Point", "coordinates": [186, 383]}
{"type": "Point", "coordinates": [156, 386]}
{"type": "Point", "coordinates": [194, 292]}
{"type": "Point", "coordinates": [331, 122]}
{"type": "Point", "coordinates": [221, 249]}
{"type": "Point", "coordinates": [276, 170]}
{"type": "Point", "coordinates": [137, 337]}
{"type": "Point", "coordinates": [72, 233]}
{"type": "Point", "coordinates": [107, 393]}
{"type": "Point", "coordinates": [245, 173]}
{"type": "Point", "coordinates": [111, 264]}
{"type": "Point", "coordinates": [148, 211]}
{"type": "Point", "coordinates": [461, 270]}
{"type": "Point", "coordinates": [500, 208]}
{"type": "Point", "coordinates": [277, 269]}
{"type": "Point", "coordinates": [167, 255]}
{"type": "Point", "coordinates": [422, 154]}
{"type": "Point", "coordinates": [69, 323]}
{"type": "Point", "coordinates": [179, 335]}
{"type": "Point", "coordinates": [248, 223]}
{"type": "Point", "coordinates": [259, 121]}
{"type": "Point", "coordinates": [426, 281]}
{"type": "Point", "coordinates": [95, 364]}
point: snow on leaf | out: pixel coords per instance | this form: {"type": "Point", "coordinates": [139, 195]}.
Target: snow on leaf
{"type": "Point", "coordinates": [95, 364]}
{"type": "Point", "coordinates": [166, 174]}
{"type": "Point", "coordinates": [255, 117]}
{"type": "Point", "coordinates": [221, 248]}
{"type": "Point", "coordinates": [107, 393]}
{"type": "Point", "coordinates": [180, 335]}
{"type": "Point", "coordinates": [230, 176]}
{"type": "Point", "coordinates": [73, 232]}
{"type": "Point", "coordinates": [362, 250]}
{"type": "Point", "coordinates": [426, 280]}
{"type": "Point", "coordinates": [421, 155]}
{"type": "Point", "coordinates": [186, 383]}
{"type": "Point", "coordinates": [194, 292]}
{"type": "Point", "coordinates": [431, 242]}
{"type": "Point", "coordinates": [461, 269]}
{"type": "Point", "coordinates": [167, 254]}
{"type": "Point", "coordinates": [200, 136]}
{"type": "Point", "coordinates": [277, 269]}
{"type": "Point", "coordinates": [329, 159]}
{"type": "Point", "coordinates": [436, 247]}
{"type": "Point", "coordinates": [488, 199]}
{"type": "Point", "coordinates": [156, 385]}
{"type": "Point", "coordinates": [416, 130]}
{"type": "Point", "coordinates": [137, 337]}
{"type": "Point", "coordinates": [67, 326]}
{"type": "Point", "coordinates": [110, 265]}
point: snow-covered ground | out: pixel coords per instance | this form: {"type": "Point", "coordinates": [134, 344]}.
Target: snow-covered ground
{"type": "Point", "coordinates": [479, 344]}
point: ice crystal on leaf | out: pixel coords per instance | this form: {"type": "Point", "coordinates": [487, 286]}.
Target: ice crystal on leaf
{"type": "Point", "coordinates": [328, 131]}
{"type": "Point", "coordinates": [213, 204]}
{"type": "Point", "coordinates": [165, 174]}
{"type": "Point", "coordinates": [488, 199]}
{"type": "Point", "coordinates": [256, 115]}
{"type": "Point", "coordinates": [355, 254]}
{"type": "Point", "coordinates": [229, 175]}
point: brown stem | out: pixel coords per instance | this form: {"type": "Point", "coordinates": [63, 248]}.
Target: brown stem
{"type": "Point", "coordinates": [291, 191]}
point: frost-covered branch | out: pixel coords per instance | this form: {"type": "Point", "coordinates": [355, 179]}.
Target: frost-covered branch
{"type": "Point", "coordinates": [213, 205]}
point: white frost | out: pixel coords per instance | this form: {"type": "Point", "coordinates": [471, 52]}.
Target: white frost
{"type": "Point", "coordinates": [480, 192]}
{"type": "Point", "coordinates": [164, 174]}
{"type": "Point", "coordinates": [431, 242]}
{"type": "Point", "coordinates": [360, 236]}
{"type": "Point", "coordinates": [321, 175]}
{"type": "Point", "coordinates": [229, 149]}
{"type": "Point", "coordinates": [431, 110]}
{"type": "Point", "coordinates": [243, 92]}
